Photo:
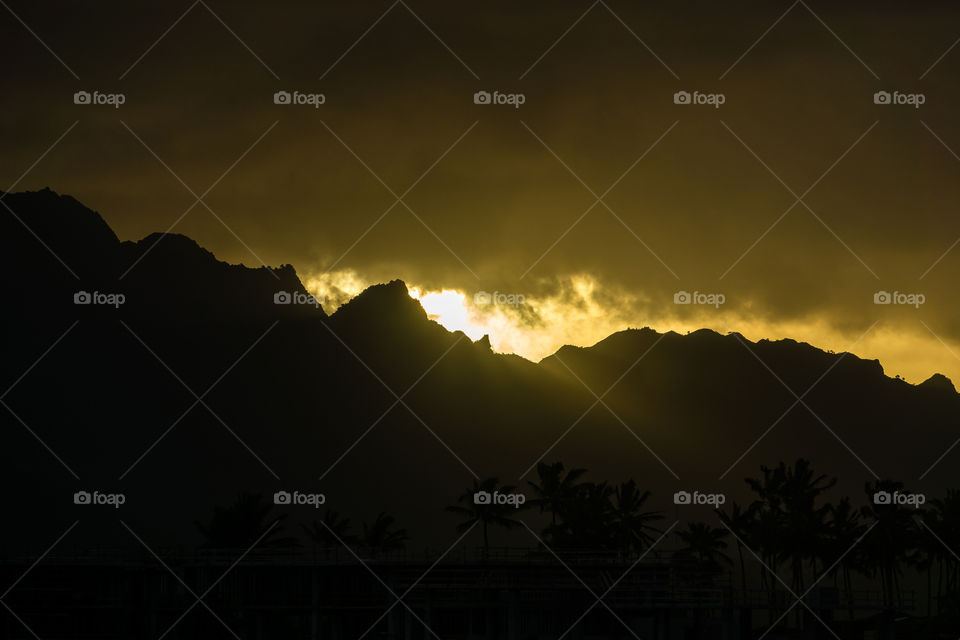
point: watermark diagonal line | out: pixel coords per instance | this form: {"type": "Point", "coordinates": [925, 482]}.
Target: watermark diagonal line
{"type": "Point", "coordinates": [399, 400]}
{"type": "Point", "coordinates": [218, 19]}
{"type": "Point", "coordinates": [157, 41]}
{"type": "Point", "coordinates": [599, 199]}
{"type": "Point", "coordinates": [240, 240]}
{"type": "Point", "coordinates": [438, 38]}
{"type": "Point", "coordinates": [957, 441]}
{"type": "Point", "coordinates": [598, 599]}
{"type": "Point", "coordinates": [356, 156]}
{"type": "Point", "coordinates": [957, 157]}
{"type": "Point", "coordinates": [40, 40]}
{"type": "Point", "coordinates": [615, 415]}
{"type": "Point", "coordinates": [357, 41]}
{"type": "Point", "coordinates": [159, 159]}
{"type": "Point", "coordinates": [940, 140]}
{"type": "Point", "coordinates": [40, 240]}
{"type": "Point", "coordinates": [440, 240]}
{"type": "Point", "coordinates": [780, 580]}
{"type": "Point", "coordinates": [591, 407]}
{"type": "Point", "coordinates": [179, 579]}
{"type": "Point", "coordinates": [39, 559]}
{"type": "Point", "coordinates": [840, 240]}
{"type": "Point", "coordinates": [939, 539]}
{"type": "Point", "coordinates": [20, 420]}
{"type": "Point", "coordinates": [839, 39]}
{"type": "Point", "coordinates": [557, 41]}
{"type": "Point", "coordinates": [639, 39]}
{"type": "Point", "coordinates": [799, 199]}
{"type": "Point", "coordinates": [199, 399]}
{"type": "Point", "coordinates": [239, 39]}
{"type": "Point", "coordinates": [618, 580]}
{"type": "Point", "coordinates": [19, 219]}
{"type": "Point", "coordinates": [938, 60]}
{"type": "Point", "coordinates": [442, 156]}
{"type": "Point", "coordinates": [218, 580]}
{"type": "Point", "coordinates": [199, 199]}
{"type": "Point", "coordinates": [757, 41]}
{"type": "Point", "coordinates": [20, 620]}
{"type": "Point", "coordinates": [823, 574]}
{"type": "Point", "coordinates": [418, 19]}
{"type": "Point", "coordinates": [38, 360]}
{"type": "Point", "coordinates": [799, 400]}
{"type": "Point", "coordinates": [40, 440]}
{"type": "Point", "coordinates": [379, 579]}
{"type": "Point", "coordinates": [399, 199]}
{"type": "Point", "coordinates": [39, 159]}
{"type": "Point", "coordinates": [423, 575]}
{"type": "Point", "coordinates": [818, 19]}
{"type": "Point", "coordinates": [615, 17]}
{"type": "Point", "coordinates": [559, 159]}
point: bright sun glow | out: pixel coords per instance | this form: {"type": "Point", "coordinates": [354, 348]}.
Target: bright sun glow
{"type": "Point", "coordinates": [580, 317]}
{"type": "Point", "coordinates": [449, 309]}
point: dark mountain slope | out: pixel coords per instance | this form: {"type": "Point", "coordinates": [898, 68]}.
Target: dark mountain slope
{"type": "Point", "coordinates": [290, 395]}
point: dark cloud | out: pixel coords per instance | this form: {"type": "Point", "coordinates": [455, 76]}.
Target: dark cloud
{"type": "Point", "coordinates": [492, 195]}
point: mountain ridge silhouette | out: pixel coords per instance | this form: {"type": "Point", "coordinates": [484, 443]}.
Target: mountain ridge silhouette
{"type": "Point", "coordinates": [389, 408]}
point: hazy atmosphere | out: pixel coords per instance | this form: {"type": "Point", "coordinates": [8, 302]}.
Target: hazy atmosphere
{"type": "Point", "coordinates": [423, 320]}
{"type": "Point", "coordinates": [797, 198]}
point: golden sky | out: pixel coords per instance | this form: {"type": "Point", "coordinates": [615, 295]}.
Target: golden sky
{"type": "Point", "coordinates": [596, 200]}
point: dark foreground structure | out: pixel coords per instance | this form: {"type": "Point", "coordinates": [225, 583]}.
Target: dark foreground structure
{"type": "Point", "coordinates": [341, 594]}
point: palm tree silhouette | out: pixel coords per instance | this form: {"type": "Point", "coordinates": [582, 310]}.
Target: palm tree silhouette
{"type": "Point", "coordinates": [473, 506]}
{"type": "Point", "coordinates": [555, 489]}
{"type": "Point", "coordinates": [379, 536]}
{"type": "Point", "coordinates": [586, 521]}
{"type": "Point", "coordinates": [791, 493]}
{"type": "Point", "coordinates": [846, 527]}
{"type": "Point", "coordinates": [631, 521]}
{"type": "Point", "coordinates": [704, 549]}
{"type": "Point", "coordinates": [741, 523]}
{"type": "Point", "coordinates": [332, 531]}
{"type": "Point", "coordinates": [888, 546]}
{"type": "Point", "coordinates": [943, 518]}
{"type": "Point", "coordinates": [244, 522]}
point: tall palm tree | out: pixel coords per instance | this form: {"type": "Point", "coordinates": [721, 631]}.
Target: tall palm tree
{"type": "Point", "coordinates": [555, 489]}
{"type": "Point", "coordinates": [792, 493]}
{"type": "Point", "coordinates": [740, 522]}
{"type": "Point", "coordinates": [846, 527]}
{"type": "Point", "coordinates": [704, 548]}
{"type": "Point", "coordinates": [330, 531]}
{"type": "Point", "coordinates": [587, 521]}
{"type": "Point", "coordinates": [633, 524]}
{"type": "Point", "coordinates": [381, 536]}
{"type": "Point", "coordinates": [888, 545]}
{"type": "Point", "coordinates": [486, 514]}
{"type": "Point", "coordinates": [244, 522]}
{"type": "Point", "coordinates": [943, 517]}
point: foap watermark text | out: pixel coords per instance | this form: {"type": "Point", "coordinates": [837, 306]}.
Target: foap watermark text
{"type": "Point", "coordinates": [100, 99]}
{"type": "Point", "coordinates": [99, 298]}
{"type": "Point", "coordinates": [898, 297]}
{"type": "Point", "coordinates": [295, 297]}
{"type": "Point", "coordinates": [481, 298]}
{"type": "Point", "coordinates": [698, 498]}
{"type": "Point", "coordinates": [898, 98]}
{"type": "Point", "coordinates": [699, 297]}
{"type": "Point", "coordinates": [699, 98]}
{"type": "Point", "coordinates": [98, 498]}
{"type": "Point", "coordinates": [299, 498]}
{"type": "Point", "coordinates": [299, 98]}
{"type": "Point", "coordinates": [515, 500]}
{"type": "Point", "coordinates": [496, 97]}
